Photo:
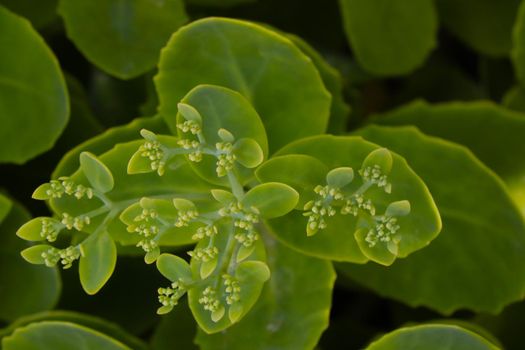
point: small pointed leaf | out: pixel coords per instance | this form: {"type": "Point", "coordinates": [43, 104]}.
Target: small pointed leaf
{"type": "Point", "coordinates": [399, 208]}
{"type": "Point", "coordinates": [222, 196]}
{"type": "Point", "coordinates": [272, 199]}
{"type": "Point", "coordinates": [41, 192]}
{"type": "Point", "coordinates": [189, 112]}
{"type": "Point", "coordinates": [33, 254]}
{"type": "Point", "coordinates": [378, 253]}
{"type": "Point", "coordinates": [207, 268]}
{"type": "Point", "coordinates": [151, 256]}
{"type": "Point", "coordinates": [244, 252]}
{"type": "Point", "coordinates": [381, 157]}
{"type": "Point", "coordinates": [183, 204]}
{"type": "Point", "coordinates": [31, 230]}
{"type": "Point", "coordinates": [172, 267]}
{"type": "Point", "coordinates": [97, 173]}
{"type": "Point", "coordinates": [97, 262]}
{"type": "Point", "coordinates": [340, 177]}
{"type": "Point", "coordinates": [225, 135]}
{"type": "Point", "coordinates": [217, 315]}
{"type": "Point", "coordinates": [235, 312]}
{"type": "Point", "coordinates": [248, 152]}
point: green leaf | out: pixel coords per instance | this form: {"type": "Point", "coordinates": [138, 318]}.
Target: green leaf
{"type": "Point", "coordinates": [174, 268]}
{"type": "Point", "coordinates": [518, 48]}
{"type": "Point", "coordinates": [340, 177]}
{"type": "Point", "coordinates": [272, 199]}
{"type": "Point", "coordinates": [28, 129]}
{"type": "Point", "coordinates": [122, 38]}
{"type": "Point", "coordinates": [26, 288]}
{"type": "Point", "coordinates": [59, 335]}
{"type": "Point", "coordinates": [481, 225]}
{"type": "Point", "coordinates": [390, 37]}
{"type": "Point", "coordinates": [299, 171]}
{"type": "Point", "coordinates": [431, 337]}
{"type": "Point", "coordinates": [495, 134]}
{"type": "Point", "coordinates": [281, 83]}
{"type": "Point", "coordinates": [292, 311]}
{"type": "Point", "coordinates": [97, 263]}
{"type": "Point", "coordinates": [332, 79]}
{"type": "Point", "coordinates": [33, 254]}
{"type": "Point", "coordinates": [30, 231]}
{"type": "Point", "coordinates": [336, 241]}
{"type": "Point", "coordinates": [222, 196]}
{"type": "Point", "coordinates": [107, 140]}
{"type": "Point", "coordinates": [484, 25]}
{"type": "Point", "coordinates": [98, 324]}
{"type": "Point", "coordinates": [515, 99]}
{"type": "Point", "coordinates": [222, 108]}
{"type": "Point", "coordinates": [248, 152]}
{"type": "Point", "coordinates": [97, 173]}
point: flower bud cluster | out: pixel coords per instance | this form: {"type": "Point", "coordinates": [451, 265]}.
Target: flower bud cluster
{"type": "Point", "coordinates": [225, 158]}
{"type": "Point", "coordinates": [170, 296]}
{"type": "Point", "coordinates": [209, 299]}
{"type": "Point", "coordinates": [153, 151]}
{"type": "Point", "coordinates": [146, 225]}
{"type": "Point", "coordinates": [65, 186]}
{"type": "Point", "coordinates": [50, 229]}
{"type": "Point", "coordinates": [66, 256]}
{"type": "Point", "coordinates": [204, 254]}
{"type": "Point", "coordinates": [190, 126]}
{"type": "Point", "coordinates": [77, 223]}
{"type": "Point", "coordinates": [205, 231]}
{"type": "Point", "coordinates": [384, 230]}
{"type": "Point", "coordinates": [244, 220]}
{"type": "Point", "coordinates": [356, 202]}
{"type": "Point", "coordinates": [194, 146]}
{"type": "Point", "coordinates": [374, 175]}
{"type": "Point", "coordinates": [184, 217]}
{"type": "Point", "coordinates": [232, 289]}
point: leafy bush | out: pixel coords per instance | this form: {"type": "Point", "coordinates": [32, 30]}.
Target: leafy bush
{"type": "Point", "coordinates": [257, 169]}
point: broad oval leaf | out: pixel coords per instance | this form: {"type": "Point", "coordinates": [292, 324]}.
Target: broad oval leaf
{"type": "Point", "coordinates": [495, 134]}
{"type": "Point", "coordinates": [26, 288]}
{"type": "Point", "coordinates": [484, 25]}
{"type": "Point", "coordinates": [292, 311]}
{"type": "Point", "coordinates": [272, 199]}
{"type": "Point", "coordinates": [336, 241]}
{"type": "Point", "coordinates": [97, 173]}
{"type": "Point", "coordinates": [59, 335]}
{"type": "Point", "coordinates": [390, 37]}
{"type": "Point", "coordinates": [97, 263]}
{"type": "Point", "coordinates": [121, 37]}
{"type": "Point", "coordinates": [222, 108]}
{"type": "Point", "coordinates": [432, 337]}
{"type": "Point", "coordinates": [108, 328]}
{"type": "Point", "coordinates": [481, 225]}
{"type": "Point", "coordinates": [298, 171]}
{"type": "Point", "coordinates": [281, 82]}
{"type": "Point", "coordinates": [41, 14]}
{"type": "Point", "coordinates": [28, 128]}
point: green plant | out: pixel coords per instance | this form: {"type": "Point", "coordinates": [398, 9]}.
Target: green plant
{"type": "Point", "coordinates": [229, 206]}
